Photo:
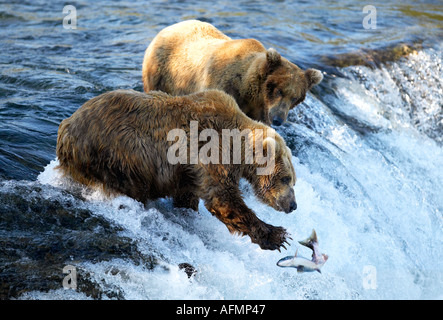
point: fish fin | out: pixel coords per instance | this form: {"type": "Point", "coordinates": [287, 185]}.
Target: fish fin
{"type": "Point", "coordinates": [300, 269]}
{"type": "Point", "coordinates": [306, 243]}
{"type": "Point", "coordinates": [318, 270]}
{"type": "Point", "coordinates": [310, 241]}
{"type": "Point", "coordinates": [314, 236]}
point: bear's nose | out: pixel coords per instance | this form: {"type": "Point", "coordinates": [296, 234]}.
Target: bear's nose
{"type": "Point", "coordinates": [292, 206]}
{"type": "Point", "coordinates": [277, 121]}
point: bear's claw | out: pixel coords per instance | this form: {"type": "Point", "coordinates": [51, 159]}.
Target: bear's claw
{"type": "Point", "coordinates": [270, 238]}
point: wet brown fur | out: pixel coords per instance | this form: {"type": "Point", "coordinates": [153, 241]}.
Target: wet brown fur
{"type": "Point", "coordinates": [191, 56]}
{"type": "Point", "coordinates": [119, 140]}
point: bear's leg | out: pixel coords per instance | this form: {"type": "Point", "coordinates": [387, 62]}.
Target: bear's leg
{"type": "Point", "coordinates": [184, 195]}
{"type": "Point", "coordinates": [232, 211]}
{"type": "Point", "coordinates": [186, 199]}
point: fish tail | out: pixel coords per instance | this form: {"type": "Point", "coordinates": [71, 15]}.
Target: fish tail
{"type": "Point", "coordinates": [309, 242]}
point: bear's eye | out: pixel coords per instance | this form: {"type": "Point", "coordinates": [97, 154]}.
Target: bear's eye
{"type": "Point", "coordinates": [278, 93]}
{"type": "Point", "coordinates": [271, 87]}
{"type": "Point", "coordinates": [285, 180]}
{"type": "Point", "coordinates": [296, 101]}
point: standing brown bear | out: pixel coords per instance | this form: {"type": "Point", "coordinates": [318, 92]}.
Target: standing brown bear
{"type": "Point", "coordinates": [126, 141]}
{"type": "Point", "coordinates": [191, 56]}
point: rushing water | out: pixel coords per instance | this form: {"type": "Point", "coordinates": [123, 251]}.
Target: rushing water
{"type": "Point", "coordinates": [367, 146]}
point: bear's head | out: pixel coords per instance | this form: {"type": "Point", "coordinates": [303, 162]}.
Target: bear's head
{"type": "Point", "coordinates": [285, 86]}
{"type": "Point", "coordinates": [275, 187]}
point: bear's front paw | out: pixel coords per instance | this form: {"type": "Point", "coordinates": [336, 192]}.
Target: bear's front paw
{"type": "Point", "coordinates": [269, 237]}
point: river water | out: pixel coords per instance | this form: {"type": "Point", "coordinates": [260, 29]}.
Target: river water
{"type": "Point", "coordinates": [366, 143]}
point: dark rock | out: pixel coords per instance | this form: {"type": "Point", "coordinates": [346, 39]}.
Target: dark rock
{"type": "Point", "coordinates": [188, 269]}
{"type": "Point", "coordinates": [40, 235]}
{"type": "Point", "coordinates": [372, 57]}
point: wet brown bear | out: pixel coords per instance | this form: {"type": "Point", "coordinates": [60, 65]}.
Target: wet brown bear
{"type": "Point", "coordinates": [127, 142]}
{"type": "Point", "coordinates": [191, 56]}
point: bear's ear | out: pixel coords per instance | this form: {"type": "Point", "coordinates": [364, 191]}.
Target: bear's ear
{"type": "Point", "coordinates": [267, 159]}
{"type": "Point", "coordinates": [314, 77]}
{"type": "Point", "coordinates": [273, 146]}
{"type": "Point", "coordinates": [289, 150]}
{"type": "Point", "coordinates": [273, 58]}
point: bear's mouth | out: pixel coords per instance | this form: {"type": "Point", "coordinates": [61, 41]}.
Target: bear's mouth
{"type": "Point", "coordinates": [277, 206]}
{"type": "Point", "coordinates": [286, 209]}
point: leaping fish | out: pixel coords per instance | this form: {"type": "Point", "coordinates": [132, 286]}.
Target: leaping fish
{"type": "Point", "coordinates": [303, 264]}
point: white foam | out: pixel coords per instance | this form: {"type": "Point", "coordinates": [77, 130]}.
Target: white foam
{"type": "Point", "coordinates": [354, 232]}
{"type": "Point", "coordinates": [376, 205]}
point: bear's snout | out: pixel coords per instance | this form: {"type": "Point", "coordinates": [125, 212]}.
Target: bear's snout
{"type": "Point", "coordinates": [289, 207]}
{"type": "Point", "coordinates": [277, 121]}
{"type": "Point", "coordinates": [292, 206]}
{"type": "Point", "coordinates": [278, 114]}
{"type": "Point", "coordinates": [287, 202]}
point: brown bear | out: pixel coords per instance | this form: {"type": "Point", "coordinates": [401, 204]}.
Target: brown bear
{"type": "Point", "coordinates": [191, 56]}
{"type": "Point", "coordinates": [127, 142]}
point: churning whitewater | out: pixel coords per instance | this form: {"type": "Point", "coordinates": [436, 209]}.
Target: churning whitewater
{"type": "Point", "coordinates": [372, 192]}
{"type": "Point", "coordinates": [367, 149]}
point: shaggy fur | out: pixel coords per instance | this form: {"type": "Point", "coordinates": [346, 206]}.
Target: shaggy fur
{"type": "Point", "coordinates": [191, 56]}
{"type": "Point", "coordinates": [119, 140]}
